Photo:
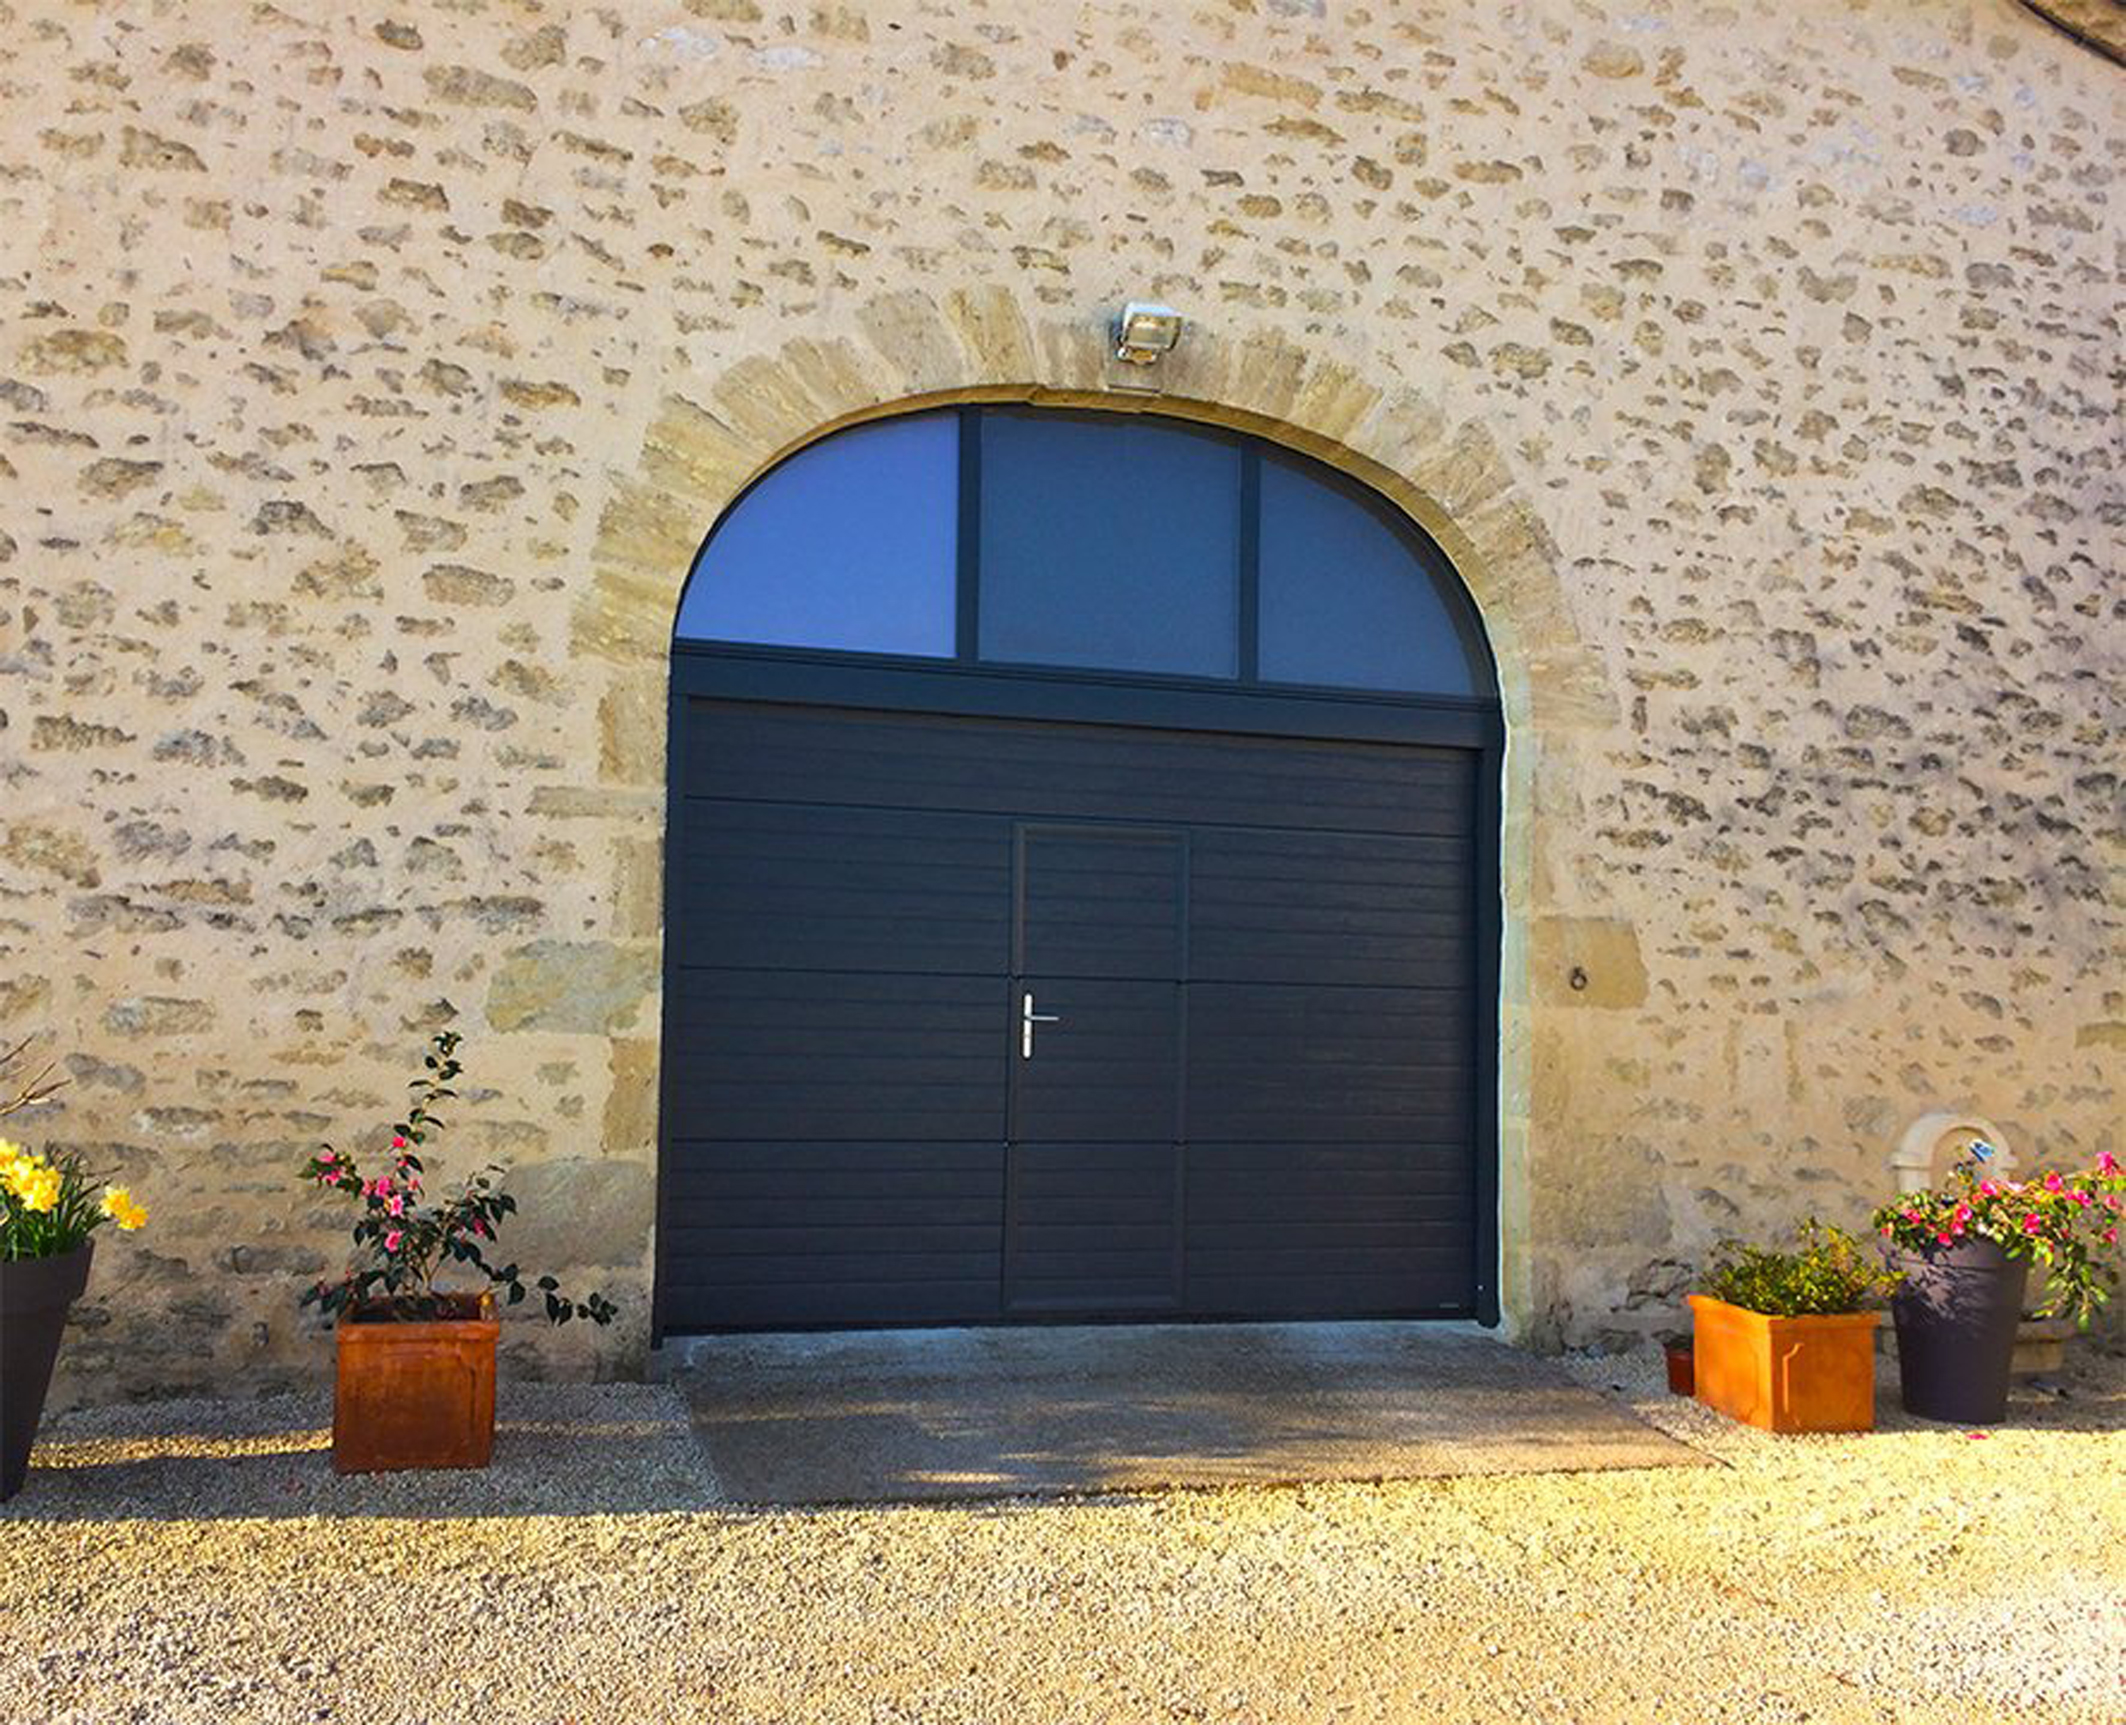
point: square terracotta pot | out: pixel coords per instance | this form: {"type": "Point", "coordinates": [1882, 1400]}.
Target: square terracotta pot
{"type": "Point", "coordinates": [413, 1395]}
{"type": "Point", "coordinates": [1785, 1374]}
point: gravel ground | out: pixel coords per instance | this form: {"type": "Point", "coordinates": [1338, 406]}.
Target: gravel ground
{"type": "Point", "coordinates": [198, 1561]}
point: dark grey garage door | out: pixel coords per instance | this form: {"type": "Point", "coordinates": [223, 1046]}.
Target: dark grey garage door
{"type": "Point", "coordinates": [976, 1019]}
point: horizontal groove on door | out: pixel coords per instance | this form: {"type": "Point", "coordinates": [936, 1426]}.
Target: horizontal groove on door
{"type": "Point", "coordinates": [798, 1305]}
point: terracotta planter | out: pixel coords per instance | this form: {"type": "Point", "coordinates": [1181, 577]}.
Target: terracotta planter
{"type": "Point", "coordinates": [1785, 1374]}
{"type": "Point", "coordinates": [413, 1395]}
{"type": "Point", "coordinates": [35, 1294]}
{"type": "Point", "coordinates": [1682, 1370]}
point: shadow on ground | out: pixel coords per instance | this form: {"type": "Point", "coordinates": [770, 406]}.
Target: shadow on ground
{"type": "Point", "coordinates": [953, 1414]}
{"type": "Point", "coordinates": [964, 1417]}
{"type": "Point", "coordinates": [560, 1449]}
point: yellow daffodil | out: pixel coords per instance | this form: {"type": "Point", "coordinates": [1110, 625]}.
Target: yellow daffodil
{"type": "Point", "coordinates": [36, 1185]}
{"type": "Point", "coordinates": [119, 1206]}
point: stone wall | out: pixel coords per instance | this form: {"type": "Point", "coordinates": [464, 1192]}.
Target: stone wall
{"type": "Point", "coordinates": [371, 375]}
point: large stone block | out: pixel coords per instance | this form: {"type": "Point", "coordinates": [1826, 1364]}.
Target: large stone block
{"type": "Point", "coordinates": [581, 987]}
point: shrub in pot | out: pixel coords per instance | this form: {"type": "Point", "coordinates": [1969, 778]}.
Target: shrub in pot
{"type": "Point", "coordinates": [50, 1209]}
{"type": "Point", "coordinates": [1965, 1253]}
{"type": "Point", "coordinates": [415, 1385]}
{"type": "Point", "coordinates": [1785, 1340]}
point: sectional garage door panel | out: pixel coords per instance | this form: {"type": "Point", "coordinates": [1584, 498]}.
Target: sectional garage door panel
{"type": "Point", "coordinates": [811, 1233]}
{"type": "Point", "coordinates": [1252, 1088]}
{"type": "Point", "coordinates": [1093, 1226]}
{"type": "Point", "coordinates": [855, 1055]}
{"type": "Point", "coordinates": [1305, 907]}
{"type": "Point", "coordinates": [1277, 1062]}
{"type": "Point", "coordinates": [1037, 771]}
{"type": "Point", "coordinates": [804, 886]}
{"type": "Point", "coordinates": [1310, 1227]}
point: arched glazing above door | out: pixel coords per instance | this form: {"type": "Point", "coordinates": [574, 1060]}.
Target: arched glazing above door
{"type": "Point", "coordinates": [1012, 537]}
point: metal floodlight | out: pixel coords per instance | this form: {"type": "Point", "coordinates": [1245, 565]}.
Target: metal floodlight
{"type": "Point", "coordinates": [1145, 330]}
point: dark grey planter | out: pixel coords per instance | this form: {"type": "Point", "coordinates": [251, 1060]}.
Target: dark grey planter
{"type": "Point", "coordinates": [35, 1294]}
{"type": "Point", "coordinates": [1956, 1313]}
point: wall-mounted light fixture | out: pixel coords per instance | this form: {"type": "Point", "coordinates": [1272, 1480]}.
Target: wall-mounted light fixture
{"type": "Point", "coordinates": [1146, 330]}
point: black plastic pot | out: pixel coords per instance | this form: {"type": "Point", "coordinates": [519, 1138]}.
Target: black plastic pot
{"type": "Point", "coordinates": [1956, 1313]}
{"type": "Point", "coordinates": [34, 1296]}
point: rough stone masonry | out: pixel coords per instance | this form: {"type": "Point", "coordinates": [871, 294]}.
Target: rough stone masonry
{"type": "Point", "coordinates": [371, 374]}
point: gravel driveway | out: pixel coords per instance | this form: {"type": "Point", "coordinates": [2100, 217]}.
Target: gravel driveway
{"type": "Point", "coordinates": [199, 1562]}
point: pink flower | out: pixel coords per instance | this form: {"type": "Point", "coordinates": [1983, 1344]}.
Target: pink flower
{"type": "Point", "coordinates": [397, 1143]}
{"type": "Point", "coordinates": [2106, 1163]}
{"type": "Point", "coordinates": [392, 1239]}
{"type": "Point", "coordinates": [2053, 1182]}
{"type": "Point", "coordinates": [2033, 1224]}
{"type": "Point", "coordinates": [1946, 1239]}
{"type": "Point", "coordinates": [1886, 1230]}
{"type": "Point", "coordinates": [2110, 1236]}
{"type": "Point", "coordinates": [328, 1156]}
{"type": "Point", "coordinates": [1987, 1189]}
{"type": "Point", "coordinates": [1912, 1216]}
{"type": "Point", "coordinates": [2082, 1199]}
{"type": "Point", "coordinates": [395, 1204]}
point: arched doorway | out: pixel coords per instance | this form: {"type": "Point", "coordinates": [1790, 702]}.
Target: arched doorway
{"type": "Point", "coordinates": [1081, 890]}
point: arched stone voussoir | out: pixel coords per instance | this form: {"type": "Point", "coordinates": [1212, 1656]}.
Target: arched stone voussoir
{"type": "Point", "coordinates": [713, 435]}
{"type": "Point", "coordinates": [691, 452]}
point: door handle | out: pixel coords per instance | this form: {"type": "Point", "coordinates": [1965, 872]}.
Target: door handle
{"type": "Point", "coordinates": [1028, 1018]}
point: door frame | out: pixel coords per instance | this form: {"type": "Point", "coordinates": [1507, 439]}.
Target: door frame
{"type": "Point", "coordinates": [700, 671]}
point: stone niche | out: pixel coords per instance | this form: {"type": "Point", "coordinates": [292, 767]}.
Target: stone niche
{"type": "Point", "coordinates": [1934, 1143]}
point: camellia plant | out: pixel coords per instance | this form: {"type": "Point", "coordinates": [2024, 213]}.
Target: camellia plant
{"type": "Point", "coordinates": [2068, 1223]}
{"type": "Point", "coordinates": [403, 1241]}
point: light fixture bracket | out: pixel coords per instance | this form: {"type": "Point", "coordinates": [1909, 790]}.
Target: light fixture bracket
{"type": "Point", "coordinates": [1146, 332]}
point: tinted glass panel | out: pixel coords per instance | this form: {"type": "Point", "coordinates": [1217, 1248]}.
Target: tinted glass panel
{"type": "Point", "coordinates": [1346, 600]}
{"type": "Point", "coordinates": [1109, 542]}
{"type": "Point", "coordinates": [850, 543]}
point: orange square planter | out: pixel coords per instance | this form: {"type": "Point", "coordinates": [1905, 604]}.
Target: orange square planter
{"type": "Point", "coordinates": [1785, 1374]}
{"type": "Point", "coordinates": [416, 1395]}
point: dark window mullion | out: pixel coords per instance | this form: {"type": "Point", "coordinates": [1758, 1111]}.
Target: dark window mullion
{"type": "Point", "coordinates": [1250, 564]}
{"type": "Point", "coordinates": [967, 631]}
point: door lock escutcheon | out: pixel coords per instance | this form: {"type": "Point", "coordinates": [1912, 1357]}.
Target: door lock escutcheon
{"type": "Point", "coordinates": [1028, 1018]}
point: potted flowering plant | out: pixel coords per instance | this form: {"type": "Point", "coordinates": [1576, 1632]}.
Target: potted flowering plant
{"type": "Point", "coordinates": [1965, 1252]}
{"type": "Point", "coordinates": [50, 1208]}
{"type": "Point", "coordinates": [1784, 1340]}
{"type": "Point", "coordinates": [415, 1385]}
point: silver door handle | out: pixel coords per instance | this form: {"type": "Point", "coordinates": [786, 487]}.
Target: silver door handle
{"type": "Point", "coordinates": [1028, 1018]}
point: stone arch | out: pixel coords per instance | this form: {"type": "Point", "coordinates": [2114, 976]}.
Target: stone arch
{"type": "Point", "coordinates": [711, 436]}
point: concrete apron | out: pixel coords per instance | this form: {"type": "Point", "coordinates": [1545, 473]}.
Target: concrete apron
{"type": "Point", "coordinates": [929, 1415]}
